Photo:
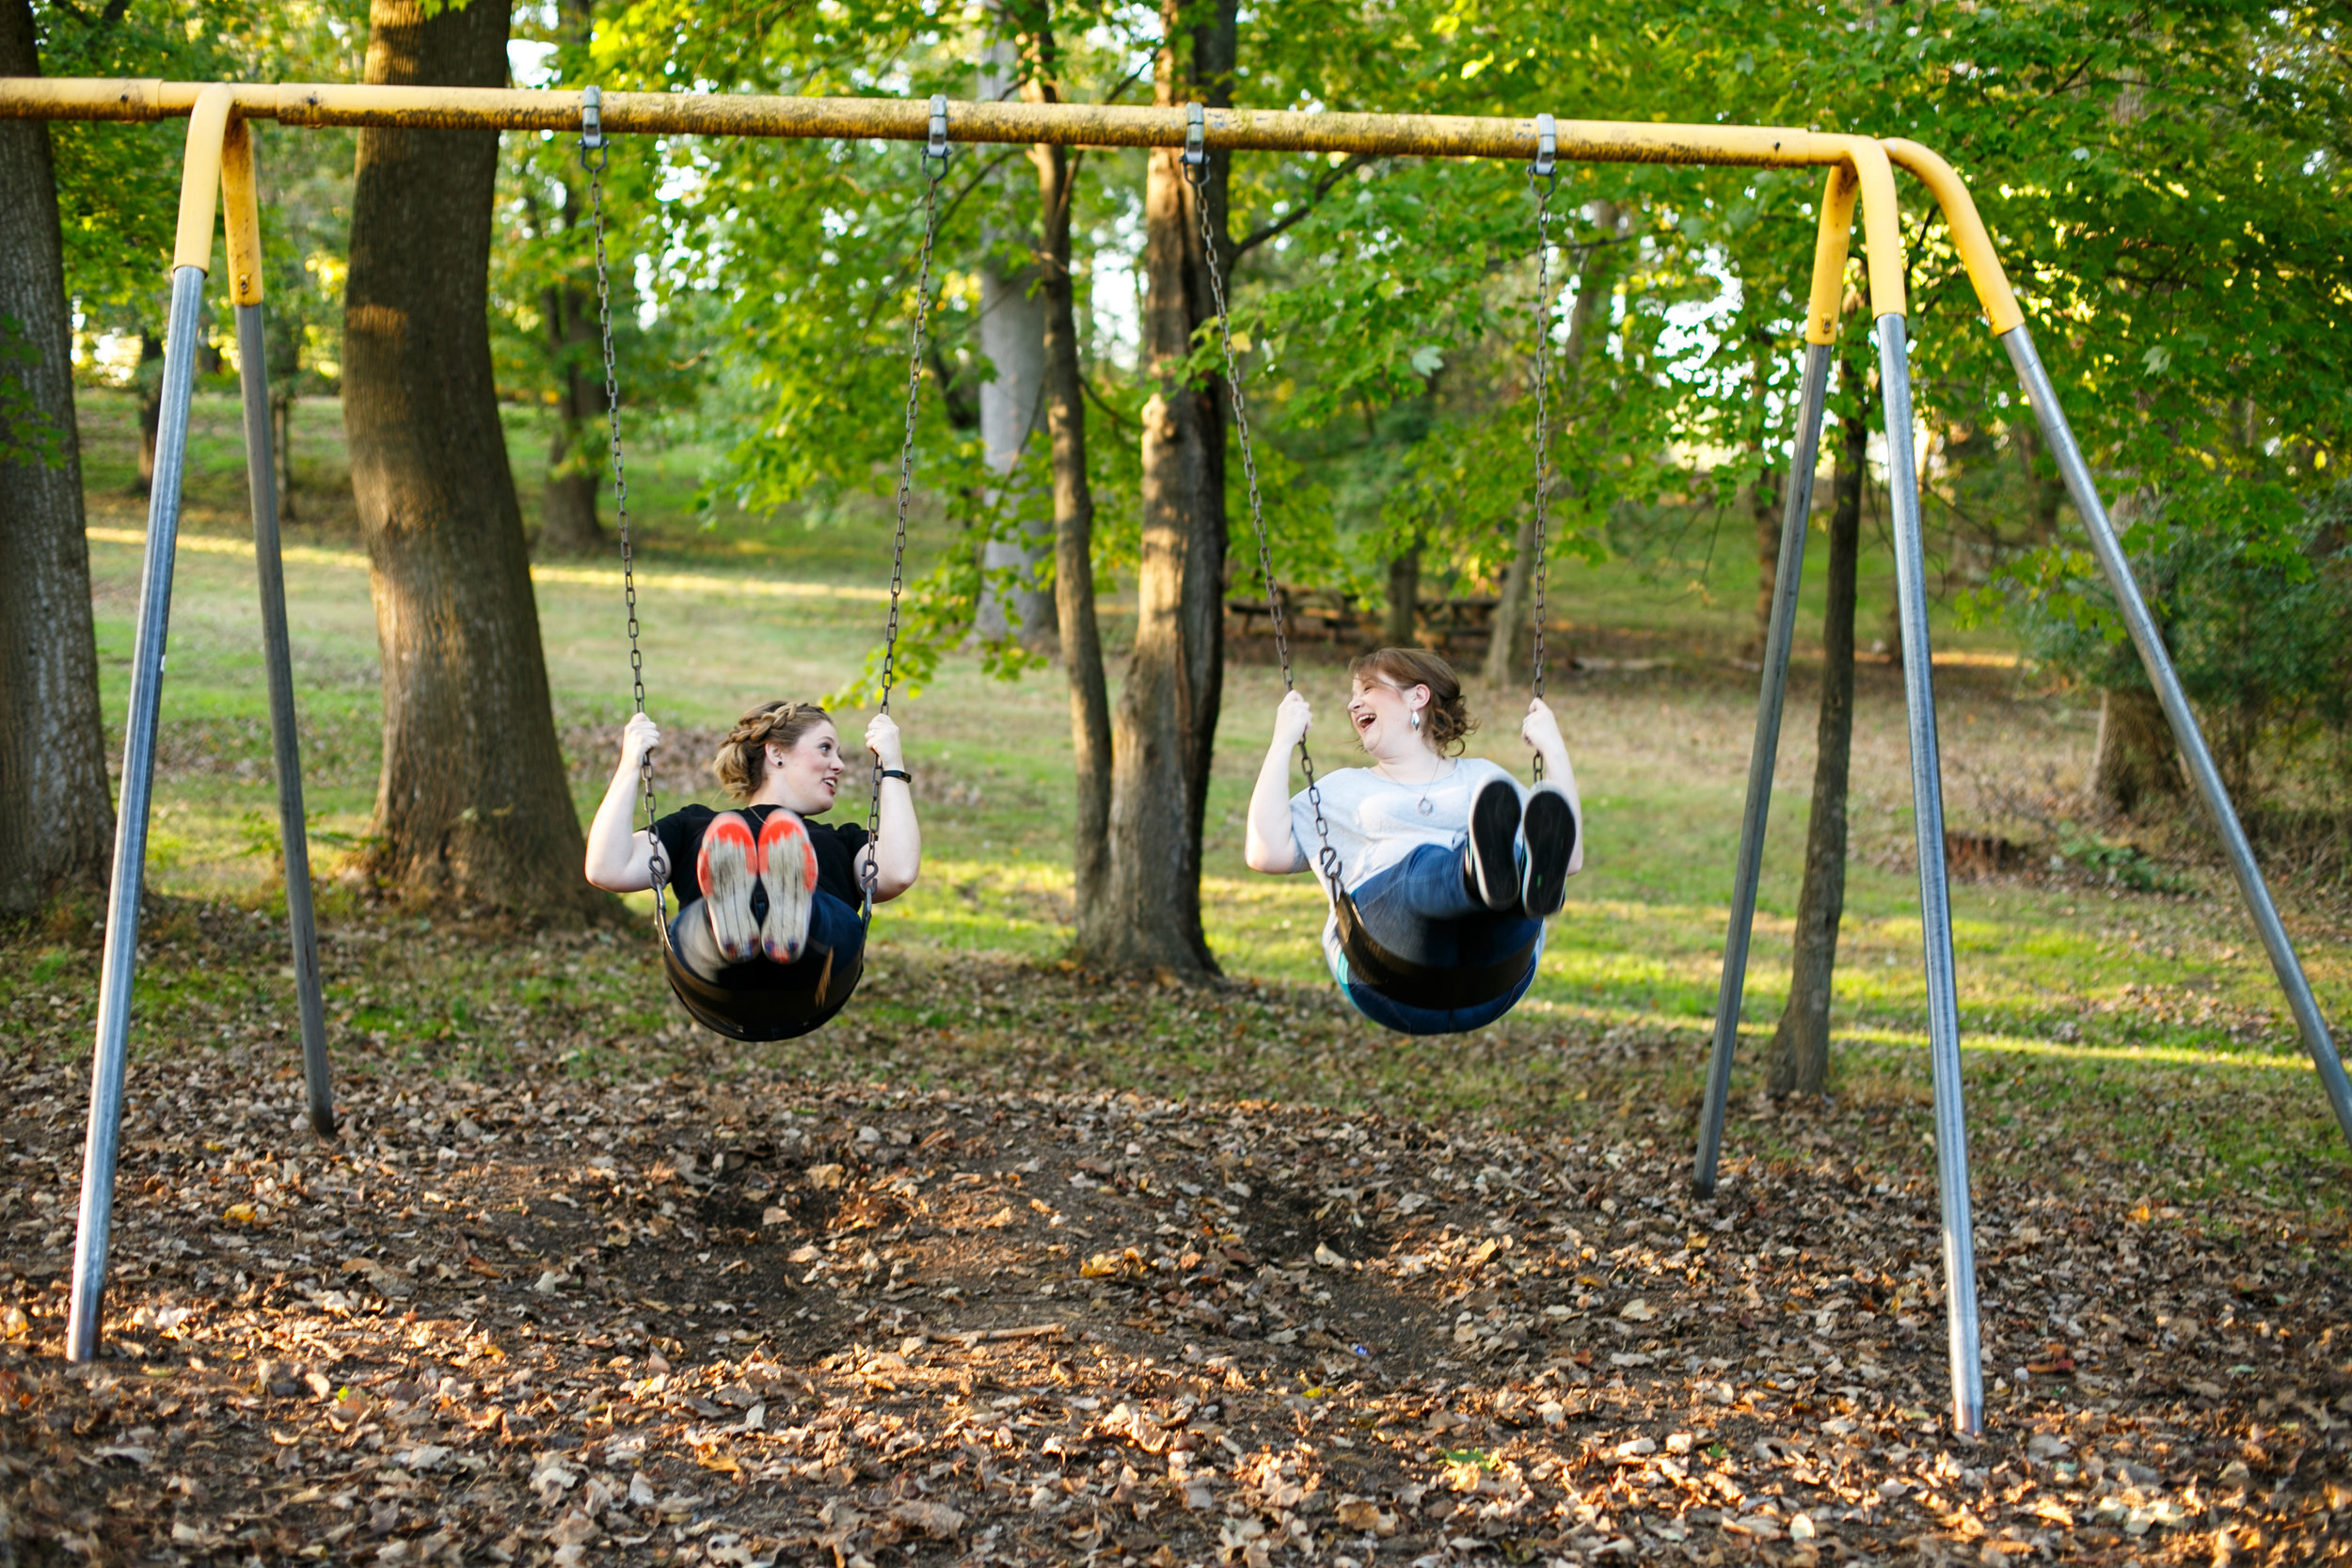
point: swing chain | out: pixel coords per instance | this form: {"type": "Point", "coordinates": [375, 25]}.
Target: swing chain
{"type": "Point", "coordinates": [595, 147]}
{"type": "Point", "coordinates": [935, 167]}
{"type": "Point", "coordinates": [1541, 178]}
{"type": "Point", "coordinates": [1197, 174]}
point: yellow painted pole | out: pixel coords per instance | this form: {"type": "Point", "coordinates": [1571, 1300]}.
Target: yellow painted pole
{"type": "Point", "coordinates": [109, 1056]}
{"type": "Point", "coordinates": [1832, 240]}
{"type": "Point", "coordinates": [1882, 223]}
{"type": "Point", "coordinates": [85, 97]}
{"type": "Point", "coordinates": [901, 119]}
{"type": "Point", "coordinates": [242, 213]}
{"type": "Point", "coordinates": [199, 177]}
{"type": "Point", "coordinates": [1019, 124]}
{"type": "Point", "coordinates": [1968, 232]}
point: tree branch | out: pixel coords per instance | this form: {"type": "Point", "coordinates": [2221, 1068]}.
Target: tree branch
{"type": "Point", "coordinates": [1324, 184]}
{"type": "Point", "coordinates": [1116, 417]}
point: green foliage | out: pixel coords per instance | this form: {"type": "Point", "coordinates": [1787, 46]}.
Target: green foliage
{"type": "Point", "coordinates": [2253, 599]}
{"type": "Point", "coordinates": [942, 606]}
{"type": "Point", "coordinates": [2118, 864]}
{"type": "Point", "coordinates": [2165, 184]}
{"type": "Point", "coordinates": [118, 184]}
{"type": "Point", "coordinates": [544, 279]}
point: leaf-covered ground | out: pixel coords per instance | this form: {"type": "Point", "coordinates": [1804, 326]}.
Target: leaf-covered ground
{"type": "Point", "coordinates": [920, 1292]}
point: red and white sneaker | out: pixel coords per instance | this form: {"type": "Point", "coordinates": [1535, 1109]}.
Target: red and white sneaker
{"type": "Point", "coordinates": [787, 868]}
{"type": "Point", "coordinates": [727, 868]}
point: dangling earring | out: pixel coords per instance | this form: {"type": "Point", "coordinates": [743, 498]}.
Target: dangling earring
{"type": "Point", "coordinates": [1416, 718]}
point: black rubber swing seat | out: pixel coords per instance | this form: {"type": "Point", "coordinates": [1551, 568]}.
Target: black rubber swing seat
{"type": "Point", "coordinates": [764, 1002]}
{"type": "Point", "coordinates": [1411, 985]}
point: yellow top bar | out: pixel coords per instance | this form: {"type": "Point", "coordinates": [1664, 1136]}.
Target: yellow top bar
{"type": "Point", "coordinates": [1068, 124]}
{"type": "Point", "coordinates": [1968, 233]}
{"type": "Point", "coordinates": [907, 119]}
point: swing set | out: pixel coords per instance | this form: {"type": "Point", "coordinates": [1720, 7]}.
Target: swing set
{"type": "Point", "coordinates": [219, 160]}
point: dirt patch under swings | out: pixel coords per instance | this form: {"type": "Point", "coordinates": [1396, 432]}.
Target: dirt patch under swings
{"type": "Point", "coordinates": [537, 1318]}
{"type": "Point", "coordinates": [1064, 1324]}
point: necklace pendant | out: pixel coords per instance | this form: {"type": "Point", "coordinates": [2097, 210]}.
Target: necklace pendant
{"type": "Point", "coordinates": [1426, 807]}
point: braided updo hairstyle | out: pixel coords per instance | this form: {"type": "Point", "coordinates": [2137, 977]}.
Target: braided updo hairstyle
{"type": "Point", "coordinates": [742, 760]}
{"type": "Point", "coordinates": [1448, 717]}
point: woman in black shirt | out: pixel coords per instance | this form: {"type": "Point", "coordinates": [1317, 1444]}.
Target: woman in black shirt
{"type": "Point", "coordinates": [775, 887]}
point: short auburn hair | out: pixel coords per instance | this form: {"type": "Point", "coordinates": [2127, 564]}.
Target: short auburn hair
{"type": "Point", "coordinates": [1447, 718]}
{"type": "Point", "coordinates": [742, 760]}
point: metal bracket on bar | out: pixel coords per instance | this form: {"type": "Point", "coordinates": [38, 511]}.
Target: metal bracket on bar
{"type": "Point", "coordinates": [592, 142]}
{"type": "Point", "coordinates": [1546, 147]}
{"type": "Point", "coordinates": [938, 145]}
{"type": "Point", "coordinates": [1196, 130]}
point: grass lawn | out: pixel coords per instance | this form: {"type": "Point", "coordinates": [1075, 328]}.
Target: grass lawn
{"type": "Point", "coordinates": [2147, 1019]}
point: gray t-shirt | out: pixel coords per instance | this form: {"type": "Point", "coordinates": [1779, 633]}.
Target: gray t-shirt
{"type": "Point", "coordinates": [1375, 823]}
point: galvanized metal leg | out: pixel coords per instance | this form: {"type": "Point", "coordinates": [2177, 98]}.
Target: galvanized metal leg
{"type": "Point", "coordinates": [261, 482]}
{"type": "Point", "coordinates": [1936, 911]}
{"type": "Point", "coordinates": [2186, 734]}
{"type": "Point", "coordinates": [1773, 692]}
{"type": "Point", "coordinates": [104, 1140]}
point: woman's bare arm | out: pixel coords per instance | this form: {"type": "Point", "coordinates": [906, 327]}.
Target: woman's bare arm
{"type": "Point", "coordinates": [897, 852]}
{"type": "Point", "coordinates": [620, 860]}
{"type": "Point", "coordinates": [1269, 843]}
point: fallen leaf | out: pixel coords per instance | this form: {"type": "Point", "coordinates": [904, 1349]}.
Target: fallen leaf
{"type": "Point", "coordinates": [933, 1519]}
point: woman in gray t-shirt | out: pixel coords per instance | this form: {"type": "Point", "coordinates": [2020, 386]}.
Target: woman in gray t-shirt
{"type": "Point", "coordinates": [1450, 864]}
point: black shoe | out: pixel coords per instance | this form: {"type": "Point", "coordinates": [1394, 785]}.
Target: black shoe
{"type": "Point", "coordinates": [1549, 830]}
{"type": "Point", "coordinates": [1490, 867]}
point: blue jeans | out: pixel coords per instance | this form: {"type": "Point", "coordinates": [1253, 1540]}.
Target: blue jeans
{"type": "Point", "coordinates": [833, 931]}
{"type": "Point", "coordinates": [1421, 911]}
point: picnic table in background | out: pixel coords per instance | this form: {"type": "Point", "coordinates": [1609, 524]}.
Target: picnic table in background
{"type": "Point", "coordinates": [1453, 626]}
{"type": "Point", "coordinates": [1327, 614]}
{"type": "Point", "coordinates": [1459, 626]}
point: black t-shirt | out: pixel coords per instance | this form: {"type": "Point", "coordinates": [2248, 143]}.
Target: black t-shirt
{"type": "Point", "coordinates": [837, 847]}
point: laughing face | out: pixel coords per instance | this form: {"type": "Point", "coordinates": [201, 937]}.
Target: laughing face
{"type": "Point", "coordinates": [1383, 717]}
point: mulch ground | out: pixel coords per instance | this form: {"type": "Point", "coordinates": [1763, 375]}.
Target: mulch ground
{"type": "Point", "coordinates": [523, 1315]}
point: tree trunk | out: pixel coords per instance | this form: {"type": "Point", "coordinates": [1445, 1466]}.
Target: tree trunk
{"type": "Point", "coordinates": [1797, 1060]}
{"type": "Point", "coordinates": [1402, 629]}
{"type": "Point", "coordinates": [472, 801]}
{"type": "Point", "coordinates": [567, 506]}
{"type": "Point", "coordinates": [576, 452]}
{"type": "Point", "coordinates": [2043, 493]}
{"type": "Point", "coordinates": [1513, 637]}
{"type": "Point", "coordinates": [282, 355]}
{"type": "Point", "coordinates": [1167, 706]}
{"type": "Point", "coordinates": [1765, 498]}
{"type": "Point", "coordinates": [2135, 760]}
{"type": "Point", "coordinates": [148, 378]}
{"type": "Point", "coordinates": [1012, 336]}
{"type": "Point", "coordinates": [58, 830]}
{"type": "Point", "coordinates": [1064, 391]}
{"type": "Point", "coordinates": [281, 401]}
